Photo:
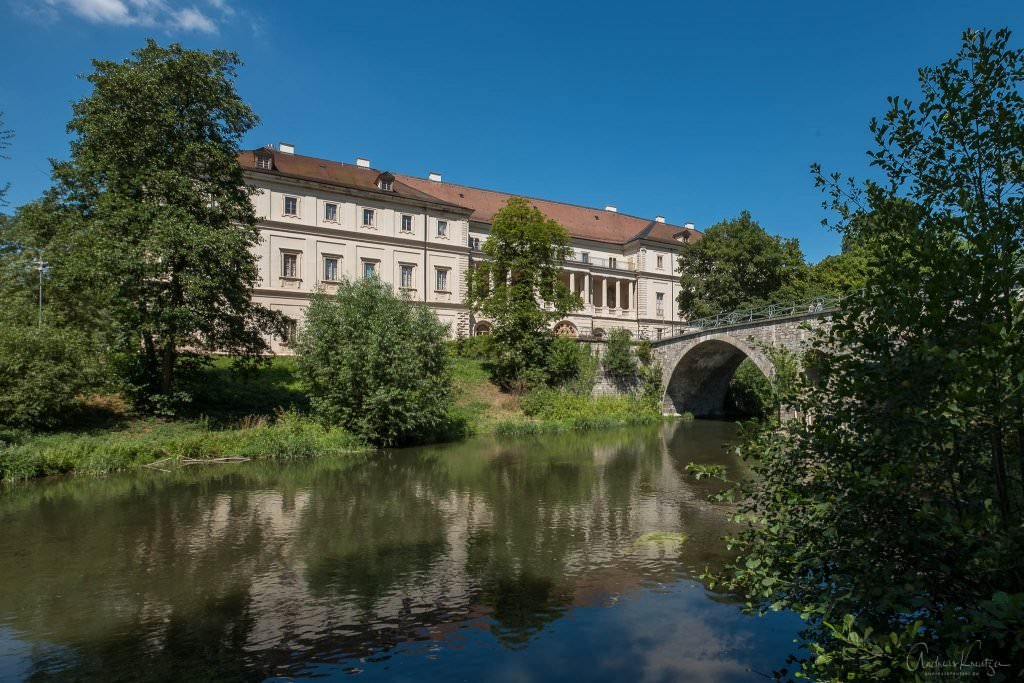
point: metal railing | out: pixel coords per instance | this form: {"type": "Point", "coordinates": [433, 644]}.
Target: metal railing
{"type": "Point", "coordinates": [613, 263]}
{"type": "Point", "coordinates": [818, 304]}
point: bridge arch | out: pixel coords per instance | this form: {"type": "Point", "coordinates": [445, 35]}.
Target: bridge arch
{"type": "Point", "coordinates": [700, 379]}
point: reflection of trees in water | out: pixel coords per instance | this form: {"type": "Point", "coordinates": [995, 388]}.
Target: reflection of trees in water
{"type": "Point", "coordinates": [255, 570]}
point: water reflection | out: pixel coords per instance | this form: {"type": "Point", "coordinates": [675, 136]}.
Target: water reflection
{"type": "Point", "coordinates": [488, 556]}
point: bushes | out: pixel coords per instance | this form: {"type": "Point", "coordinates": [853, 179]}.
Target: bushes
{"type": "Point", "coordinates": [376, 364]}
{"type": "Point", "coordinates": [618, 361]}
{"type": "Point", "coordinates": [750, 392]}
{"type": "Point", "coordinates": [42, 373]}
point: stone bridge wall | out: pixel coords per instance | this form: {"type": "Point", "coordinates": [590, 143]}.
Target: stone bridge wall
{"type": "Point", "coordinates": [697, 367]}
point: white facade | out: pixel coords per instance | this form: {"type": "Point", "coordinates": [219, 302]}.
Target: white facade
{"type": "Point", "coordinates": [316, 233]}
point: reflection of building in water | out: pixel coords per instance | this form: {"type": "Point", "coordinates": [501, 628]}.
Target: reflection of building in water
{"type": "Point", "coordinates": [406, 548]}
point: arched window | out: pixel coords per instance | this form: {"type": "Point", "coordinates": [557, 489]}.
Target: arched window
{"type": "Point", "coordinates": [598, 333]}
{"type": "Point", "coordinates": [482, 329]}
{"type": "Point", "coordinates": [565, 329]}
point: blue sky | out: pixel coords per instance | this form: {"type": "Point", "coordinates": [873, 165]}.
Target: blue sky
{"type": "Point", "coordinates": [695, 111]}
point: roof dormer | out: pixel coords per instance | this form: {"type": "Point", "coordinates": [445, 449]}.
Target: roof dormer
{"type": "Point", "coordinates": [264, 160]}
{"type": "Point", "coordinates": [386, 181]}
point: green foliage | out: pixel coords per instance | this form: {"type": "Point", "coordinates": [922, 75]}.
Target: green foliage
{"type": "Point", "coordinates": [750, 392]}
{"type": "Point", "coordinates": [376, 364]}
{"type": "Point", "coordinates": [43, 372]}
{"type": "Point", "coordinates": [561, 409]}
{"type": "Point", "coordinates": [705, 471]}
{"type": "Point", "coordinates": [287, 436]}
{"type": "Point", "coordinates": [618, 359]}
{"type": "Point", "coordinates": [518, 287]}
{"type": "Point", "coordinates": [734, 265]}
{"type": "Point", "coordinates": [890, 517]}
{"type": "Point", "coordinates": [163, 228]}
{"type": "Point", "coordinates": [480, 347]}
{"type": "Point", "coordinates": [570, 364]}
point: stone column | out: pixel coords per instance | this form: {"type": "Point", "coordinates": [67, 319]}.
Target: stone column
{"type": "Point", "coordinates": [588, 294]}
{"type": "Point", "coordinates": [632, 295]}
{"type": "Point", "coordinates": [572, 282]}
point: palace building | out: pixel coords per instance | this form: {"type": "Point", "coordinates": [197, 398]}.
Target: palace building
{"type": "Point", "coordinates": [322, 221]}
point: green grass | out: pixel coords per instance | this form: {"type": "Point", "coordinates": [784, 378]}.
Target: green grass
{"type": "Point", "coordinates": [288, 436]}
{"type": "Point", "coordinates": [262, 414]}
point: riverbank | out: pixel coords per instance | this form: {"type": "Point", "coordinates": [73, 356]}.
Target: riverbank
{"type": "Point", "coordinates": [262, 415]}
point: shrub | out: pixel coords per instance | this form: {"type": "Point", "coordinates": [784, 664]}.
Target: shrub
{"type": "Point", "coordinates": [619, 361]}
{"type": "Point", "coordinates": [568, 360]}
{"type": "Point", "coordinates": [43, 371]}
{"type": "Point", "coordinates": [475, 348]}
{"type": "Point", "coordinates": [750, 392]}
{"type": "Point", "coordinates": [376, 364]}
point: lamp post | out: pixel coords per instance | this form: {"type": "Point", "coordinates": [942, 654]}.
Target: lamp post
{"type": "Point", "coordinates": [40, 265]}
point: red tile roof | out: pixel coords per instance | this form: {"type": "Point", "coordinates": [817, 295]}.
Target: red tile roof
{"type": "Point", "coordinates": [335, 173]}
{"type": "Point", "coordinates": [581, 222]}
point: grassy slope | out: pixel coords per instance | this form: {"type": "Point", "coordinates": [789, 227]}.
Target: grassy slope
{"type": "Point", "coordinates": [261, 415]}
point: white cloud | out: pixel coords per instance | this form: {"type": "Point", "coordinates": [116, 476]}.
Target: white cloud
{"type": "Point", "coordinates": [161, 13]}
{"type": "Point", "coordinates": [191, 19]}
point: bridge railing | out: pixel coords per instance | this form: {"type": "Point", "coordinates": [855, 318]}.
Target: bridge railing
{"type": "Point", "coordinates": [817, 304]}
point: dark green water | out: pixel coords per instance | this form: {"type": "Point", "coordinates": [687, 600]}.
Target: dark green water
{"type": "Point", "coordinates": [492, 560]}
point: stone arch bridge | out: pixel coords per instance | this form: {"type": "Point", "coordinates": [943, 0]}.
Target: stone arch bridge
{"type": "Point", "coordinates": [698, 364]}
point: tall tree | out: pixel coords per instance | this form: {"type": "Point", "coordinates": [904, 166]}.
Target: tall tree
{"type": "Point", "coordinates": [167, 220]}
{"type": "Point", "coordinates": [892, 516]}
{"type": "Point", "coordinates": [518, 286]}
{"type": "Point", "coordinates": [735, 264]}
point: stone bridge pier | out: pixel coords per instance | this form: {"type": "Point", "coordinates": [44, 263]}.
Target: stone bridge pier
{"type": "Point", "coordinates": [697, 366]}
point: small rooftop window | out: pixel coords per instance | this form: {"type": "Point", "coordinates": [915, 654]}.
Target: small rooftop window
{"type": "Point", "coordinates": [386, 182]}
{"type": "Point", "coordinates": [264, 162]}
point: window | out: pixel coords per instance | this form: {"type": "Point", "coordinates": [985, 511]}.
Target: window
{"type": "Point", "coordinates": [369, 270]}
{"type": "Point", "coordinates": [289, 264]}
{"type": "Point", "coordinates": [405, 276]}
{"type": "Point", "coordinates": [331, 268]}
{"type": "Point", "coordinates": [661, 262]}
{"type": "Point", "coordinates": [474, 243]}
{"type": "Point", "coordinates": [441, 279]}
{"type": "Point", "coordinates": [613, 262]}
{"type": "Point", "coordinates": [291, 328]}
{"type": "Point", "coordinates": [658, 331]}
{"type": "Point", "coordinates": [331, 212]}
{"type": "Point", "coordinates": [263, 161]}
{"type": "Point", "coordinates": [368, 217]}
{"type": "Point", "coordinates": [406, 223]}
{"type": "Point", "coordinates": [385, 185]}
{"type": "Point", "coordinates": [291, 206]}
{"type": "Point", "coordinates": [442, 228]}
{"type": "Point", "coordinates": [585, 257]}
{"type": "Point", "coordinates": [659, 305]}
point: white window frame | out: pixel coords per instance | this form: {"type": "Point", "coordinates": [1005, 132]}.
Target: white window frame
{"type": "Point", "coordinates": [328, 219]}
{"type": "Point", "coordinates": [387, 185]}
{"type": "Point", "coordinates": [438, 271]}
{"type": "Point", "coordinates": [584, 257]}
{"type": "Point", "coordinates": [373, 217]}
{"type": "Point", "coordinates": [440, 232]}
{"type": "Point", "coordinates": [613, 262]}
{"type": "Point", "coordinates": [401, 224]}
{"type": "Point", "coordinates": [337, 267]}
{"type": "Point", "coordinates": [412, 276]}
{"type": "Point", "coordinates": [369, 262]}
{"type": "Point", "coordinates": [264, 162]}
{"type": "Point", "coordinates": [297, 255]}
{"type": "Point", "coordinates": [291, 331]}
{"type": "Point", "coordinates": [659, 261]}
{"type": "Point", "coordinates": [284, 208]}
{"type": "Point", "coordinates": [659, 304]}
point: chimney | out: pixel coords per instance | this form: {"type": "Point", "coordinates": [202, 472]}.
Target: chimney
{"type": "Point", "coordinates": [434, 176]}
{"type": "Point", "coordinates": [659, 219]}
{"type": "Point", "coordinates": [611, 208]}
{"type": "Point", "coordinates": [286, 148]}
{"type": "Point", "coordinates": [362, 163]}
{"type": "Point", "coordinates": [688, 226]}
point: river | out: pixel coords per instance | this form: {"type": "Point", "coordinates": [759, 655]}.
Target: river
{"type": "Point", "coordinates": [542, 558]}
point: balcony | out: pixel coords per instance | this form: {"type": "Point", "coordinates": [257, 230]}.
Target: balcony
{"type": "Point", "coordinates": [610, 263]}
